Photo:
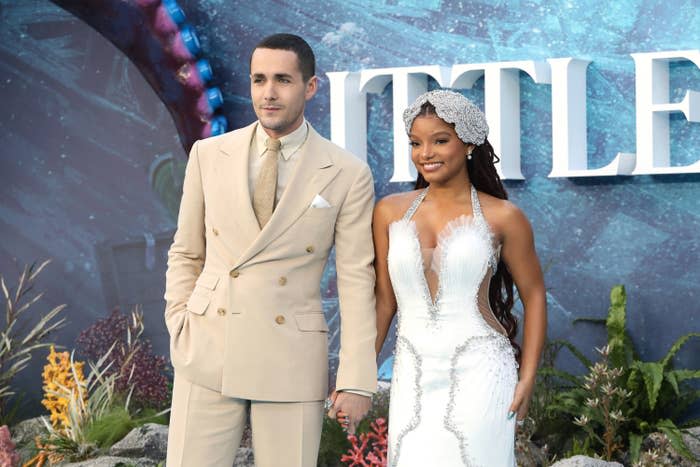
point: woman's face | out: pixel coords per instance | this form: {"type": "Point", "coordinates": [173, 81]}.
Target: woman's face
{"type": "Point", "coordinates": [436, 150]}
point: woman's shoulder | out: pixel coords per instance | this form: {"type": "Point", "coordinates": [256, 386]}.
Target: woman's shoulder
{"type": "Point", "coordinates": [393, 206]}
{"type": "Point", "coordinates": [498, 206]}
{"type": "Point", "coordinates": [502, 214]}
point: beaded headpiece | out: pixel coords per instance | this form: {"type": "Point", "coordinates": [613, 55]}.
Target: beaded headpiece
{"type": "Point", "coordinates": [452, 107]}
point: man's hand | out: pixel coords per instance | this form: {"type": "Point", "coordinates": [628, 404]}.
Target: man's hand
{"type": "Point", "coordinates": [349, 409]}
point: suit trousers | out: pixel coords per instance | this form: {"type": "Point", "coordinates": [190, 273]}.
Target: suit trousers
{"type": "Point", "coordinates": [206, 429]}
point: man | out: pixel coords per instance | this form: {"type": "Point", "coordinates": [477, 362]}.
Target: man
{"type": "Point", "coordinates": [261, 208]}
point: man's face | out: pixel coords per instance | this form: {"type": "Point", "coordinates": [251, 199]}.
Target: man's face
{"type": "Point", "coordinates": [278, 90]}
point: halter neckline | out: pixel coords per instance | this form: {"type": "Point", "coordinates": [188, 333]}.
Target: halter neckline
{"type": "Point", "coordinates": [476, 205]}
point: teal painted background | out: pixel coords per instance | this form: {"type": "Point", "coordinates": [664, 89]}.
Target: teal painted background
{"type": "Point", "coordinates": [63, 199]}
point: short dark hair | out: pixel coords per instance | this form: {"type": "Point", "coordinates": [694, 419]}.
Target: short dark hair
{"type": "Point", "coordinates": [293, 43]}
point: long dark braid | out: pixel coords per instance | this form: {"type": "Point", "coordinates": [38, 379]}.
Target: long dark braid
{"type": "Point", "coordinates": [482, 174]}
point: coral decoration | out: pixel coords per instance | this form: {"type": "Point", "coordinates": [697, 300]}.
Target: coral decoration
{"type": "Point", "coordinates": [61, 380]}
{"type": "Point", "coordinates": [159, 42]}
{"type": "Point", "coordinates": [8, 456]}
{"type": "Point", "coordinates": [370, 449]}
{"type": "Point", "coordinates": [163, 22]}
{"type": "Point", "coordinates": [46, 453]}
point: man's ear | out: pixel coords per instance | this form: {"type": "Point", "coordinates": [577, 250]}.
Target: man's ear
{"type": "Point", "coordinates": [311, 87]}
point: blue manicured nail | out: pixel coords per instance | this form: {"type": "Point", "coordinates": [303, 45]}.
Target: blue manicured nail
{"type": "Point", "coordinates": [511, 414]}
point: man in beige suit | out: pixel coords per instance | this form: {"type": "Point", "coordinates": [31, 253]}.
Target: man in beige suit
{"type": "Point", "coordinates": [261, 208]}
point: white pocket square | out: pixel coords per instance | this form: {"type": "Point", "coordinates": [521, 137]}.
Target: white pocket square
{"type": "Point", "coordinates": [319, 202]}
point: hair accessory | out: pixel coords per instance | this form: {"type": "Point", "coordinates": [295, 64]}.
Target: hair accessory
{"type": "Point", "coordinates": [452, 107]}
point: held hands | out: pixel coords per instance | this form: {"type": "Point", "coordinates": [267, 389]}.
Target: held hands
{"type": "Point", "coordinates": [349, 409]}
{"type": "Point", "coordinates": [521, 400]}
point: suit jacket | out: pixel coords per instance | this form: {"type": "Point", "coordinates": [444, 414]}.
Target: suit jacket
{"type": "Point", "coordinates": [243, 305]}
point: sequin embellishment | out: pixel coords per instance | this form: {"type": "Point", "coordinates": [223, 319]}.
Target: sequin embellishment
{"type": "Point", "coordinates": [401, 344]}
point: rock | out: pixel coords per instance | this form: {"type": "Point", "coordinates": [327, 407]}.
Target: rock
{"type": "Point", "coordinates": [528, 454]}
{"type": "Point", "coordinates": [25, 431]}
{"type": "Point", "coordinates": [114, 461]}
{"type": "Point", "coordinates": [692, 440]}
{"type": "Point", "coordinates": [149, 440]}
{"type": "Point", "coordinates": [149, 443]}
{"type": "Point", "coordinates": [657, 450]}
{"type": "Point", "coordinates": [244, 458]}
{"type": "Point", "coordinates": [585, 461]}
{"type": "Point", "coordinates": [24, 434]}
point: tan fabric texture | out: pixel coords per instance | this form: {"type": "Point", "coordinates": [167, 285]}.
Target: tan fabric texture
{"type": "Point", "coordinates": [203, 421]}
{"type": "Point", "coordinates": [243, 304]}
{"type": "Point", "coordinates": [266, 184]}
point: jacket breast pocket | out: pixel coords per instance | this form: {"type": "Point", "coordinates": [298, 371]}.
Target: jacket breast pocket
{"type": "Point", "coordinates": [320, 213]}
{"type": "Point", "coordinates": [202, 293]}
{"type": "Point", "coordinates": [317, 225]}
{"type": "Point", "coordinates": [310, 322]}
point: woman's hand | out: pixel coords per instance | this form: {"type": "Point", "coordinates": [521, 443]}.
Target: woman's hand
{"type": "Point", "coordinates": [521, 400]}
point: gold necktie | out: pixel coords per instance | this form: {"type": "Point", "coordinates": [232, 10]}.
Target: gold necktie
{"type": "Point", "coordinates": [266, 184]}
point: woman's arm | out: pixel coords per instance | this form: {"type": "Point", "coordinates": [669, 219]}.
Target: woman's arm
{"type": "Point", "coordinates": [519, 254]}
{"type": "Point", "coordinates": [386, 301]}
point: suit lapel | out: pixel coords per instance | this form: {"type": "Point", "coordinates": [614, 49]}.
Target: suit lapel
{"type": "Point", "coordinates": [313, 172]}
{"type": "Point", "coordinates": [233, 164]}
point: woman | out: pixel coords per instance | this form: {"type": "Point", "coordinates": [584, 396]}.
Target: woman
{"type": "Point", "coordinates": [447, 255]}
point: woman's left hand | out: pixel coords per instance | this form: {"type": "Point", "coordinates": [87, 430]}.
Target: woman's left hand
{"type": "Point", "coordinates": [521, 399]}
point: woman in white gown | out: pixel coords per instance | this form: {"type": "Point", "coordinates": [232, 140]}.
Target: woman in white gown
{"type": "Point", "coordinates": [447, 256]}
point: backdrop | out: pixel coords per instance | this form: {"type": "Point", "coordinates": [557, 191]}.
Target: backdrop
{"type": "Point", "coordinates": [91, 159]}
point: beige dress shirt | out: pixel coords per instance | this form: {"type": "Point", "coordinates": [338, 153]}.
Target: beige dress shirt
{"type": "Point", "coordinates": [287, 161]}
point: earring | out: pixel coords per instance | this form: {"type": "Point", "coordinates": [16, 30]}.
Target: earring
{"type": "Point", "coordinates": [469, 156]}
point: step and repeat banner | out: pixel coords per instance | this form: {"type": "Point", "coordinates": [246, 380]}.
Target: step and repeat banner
{"type": "Point", "coordinates": [594, 109]}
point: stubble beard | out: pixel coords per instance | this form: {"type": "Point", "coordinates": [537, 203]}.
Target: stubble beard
{"type": "Point", "coordinates": [280, 125]}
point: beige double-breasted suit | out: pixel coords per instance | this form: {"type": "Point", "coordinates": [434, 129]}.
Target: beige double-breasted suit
{"type": "Point", "coordinates": [243, 305]}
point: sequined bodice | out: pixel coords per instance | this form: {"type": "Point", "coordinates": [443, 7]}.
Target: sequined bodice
{"type": "Point", "coordinates": [464, 257]}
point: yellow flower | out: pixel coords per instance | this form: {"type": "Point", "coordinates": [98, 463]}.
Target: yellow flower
{"type": "Point", "coordinates": [59, 386]}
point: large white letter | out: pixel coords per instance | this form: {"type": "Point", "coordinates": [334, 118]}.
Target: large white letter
{"type": "Point", "coordinates": [569, 129]}
{"type": "Point", "coordinates": [349, 108]}
{"type": "Point", "coordinates": [653, 108]}
{"type": "Point", "coordinates": [348, 112]}
{"type": "Point", "coordinates": [502, 104]}
{"type": "Point", "coordinates": [408, 84]}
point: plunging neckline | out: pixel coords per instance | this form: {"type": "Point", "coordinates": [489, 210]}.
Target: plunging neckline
{"type": "Point", "coordinates": [443, 237]}
{"type": "Point", "coordinates": [440, 248]}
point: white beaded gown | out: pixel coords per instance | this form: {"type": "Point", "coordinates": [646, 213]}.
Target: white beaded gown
{"type": "Point", "coordinates": [454, 369]}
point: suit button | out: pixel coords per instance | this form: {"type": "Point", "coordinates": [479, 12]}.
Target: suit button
{"type": "Point", "coordinates": [282, 280]}
{"type": "Point", "coordinates": [221, 311]}
{"type": "Point", "coordinates": [214, 231]}
{"type": "Point", "coordinates": [280, 319]}
{"type": "Point", "coordinates": [235, 273]}
{"type": "Point", "coordinates": [310, 249]}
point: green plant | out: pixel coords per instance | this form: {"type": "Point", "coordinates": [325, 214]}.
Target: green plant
{"type": "Point", "coordinates": [602, 411]}
{"type": "Point", "coordinates": [117, 422]}
{"type": "Point", "coordinates": [545, 428]}
{"type": "Point", "coordinates": [91, 415]}
{"type": "Point", "coordinates": [78, 402]}
{"type": "Point", "coordinates": [658, 452]}
{"type": "Point", "coordinates": [17, 343]}
{"type": "Point", "coordinates": [642, 397]}
{"type": "Point", "coordinates": [334, 442]}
